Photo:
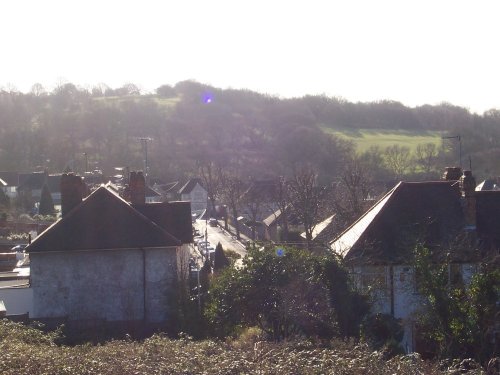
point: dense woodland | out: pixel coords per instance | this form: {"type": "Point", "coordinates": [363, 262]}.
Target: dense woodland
{"type": "Point", "coordinates": [191, 123]}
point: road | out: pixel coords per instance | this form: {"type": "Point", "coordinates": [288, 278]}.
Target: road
{"type": "Point", "coordinates": [217, 234]}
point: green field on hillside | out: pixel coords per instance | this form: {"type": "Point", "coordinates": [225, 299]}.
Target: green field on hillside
{"type": "Point", "coordinates": [363, 139]}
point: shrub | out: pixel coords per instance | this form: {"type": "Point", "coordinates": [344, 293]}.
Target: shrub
{"type": "Point", "coordinates": [285, 292]}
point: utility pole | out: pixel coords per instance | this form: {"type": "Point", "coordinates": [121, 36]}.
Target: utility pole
{"type": "Point", "coordinates": [144, 143]}
{"type": "Point", "coordinates": [86, 162]}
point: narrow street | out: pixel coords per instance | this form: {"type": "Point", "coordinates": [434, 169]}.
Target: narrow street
{"type": "Point", "coordinates": [218, 234]}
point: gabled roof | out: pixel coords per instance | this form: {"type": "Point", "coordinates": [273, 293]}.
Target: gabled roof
{"type": "Point", "coordinates": [487, 185]}
{"type": "Point", "coordinates": [150, 192]}
{"type": "Point", "coordinates": [264, 190]}
{"type": "Point", "coordinates": [10, 178]}
{"type": "Point", "coordinates": [323, 231]}
{"type": "Point", "coordinates": [428, 210]}
{"type": "Point", "coordinates": [273, 218]}
{"type": "Point", "coordinates": [173, 217]}
{"type": "Point", "coordinates": [102, 221]}
{"type": "Point", "coordinates": [34, 180]}
{"type": "Point", "coordinates": [190, 185]}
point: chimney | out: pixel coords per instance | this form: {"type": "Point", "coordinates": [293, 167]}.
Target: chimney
{"type": "Point", "coordinates": [72, 192]}
{"type": "Point", "coordinates": [137, 187]}
{"type": "Point", "coordinates": [452, 173]}
{"type": "Point", "coordinates": [468, 191]}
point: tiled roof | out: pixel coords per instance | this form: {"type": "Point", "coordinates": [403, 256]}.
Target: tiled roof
{"type": "Point", "coordinates": [426, 211]}
{"type": "Point", "coordinates": [487, 185]}
{"type": "Point", "coordinates": [150, 192]}
{"type": "Point", "coordinates": [102, 221]}
{"type": "Point", "coordinates": [264, 190]}
{"type": "Point", "coordinates": [31, 181]}
{"type": "Point", "coordinates": [323, 230]}
{"type": "Point", "coordinates": [173, 217]}
{"type": "Point", "coordinates": [190, 185]}
{"type": "Point", "coordinates": [168, 186]}
{"type": "Point", "coordinates": [488, 216]}
{"type": "Point", "coordinates": [10, 178]}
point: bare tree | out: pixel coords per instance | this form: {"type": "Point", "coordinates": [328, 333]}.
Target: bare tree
{"type": "Point", "coordinates": [282, 201]}
{"type": "Point", "coordinates": [426, 156]}
{"type": "Point", "coordinates": [231, 189]}
{"type": "Point", "coordinates": [352, 191]}
{"type": "Point", "coordinates": [211, 173]}
{"type": "Point", "coordinates": [252, 202]}
{"type": "Point", "coordinates": [307, 199]}
{"type": "Point", "coordinates": [398, 160]}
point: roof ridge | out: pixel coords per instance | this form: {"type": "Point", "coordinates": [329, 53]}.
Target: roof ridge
{"type": "Point", "coordinates": [104, 190]}
{"type": "Point", "coordinates": [388, 196]}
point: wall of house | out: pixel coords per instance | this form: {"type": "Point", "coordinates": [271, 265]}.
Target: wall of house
{"type": "Point", "coordinates": [161, 284]}
{"type": "Point", "coordinates": [114, 285]}
{"type": "Point", "coordinates": [404, 301]}
{"type": "Point", "coordinates": [17, 300]}
{"type": "Point", "coordinates": [198, 198]}
{"type": "Point", "coordinates": [10, 191]}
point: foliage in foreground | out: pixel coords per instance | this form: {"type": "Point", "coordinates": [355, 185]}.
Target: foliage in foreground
{"type": "Point", "coordinates": [286, 292]}
{"type": "Point", "coordinates": [25, 350]}
{"type": "Point", "coordinates": [458, 321]}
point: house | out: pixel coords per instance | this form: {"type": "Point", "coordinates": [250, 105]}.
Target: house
{"type": "Point", "coordinates": [31, 184]}
{"type": "Point", "coordinates": [257, 203]}
{"type": "Point", "coordinates": [273, 225]}
{"type": "Point", "coordinates": [194, 192]}
{"type": "Point", "coordinates": [378, 246]}
{"type": "Point", "coordinates": [110, 260]}
{"type": "Point", "coordinates": [323, 232]}
{"type": "Point", "coordinates": [9, 181]}
{"type": "Point", "coordinates": [153, 196]}
{"type": "Point", "coordinates": [168, 191]}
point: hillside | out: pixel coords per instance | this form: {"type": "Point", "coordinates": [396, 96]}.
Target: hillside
{"type": "Point", "coordinates": [364, 139]}
{"type": "Point", "coordinates": [191, 123]}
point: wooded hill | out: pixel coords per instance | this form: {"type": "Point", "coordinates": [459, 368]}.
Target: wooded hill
{"type": "Point", "coordinates": [190, 123]}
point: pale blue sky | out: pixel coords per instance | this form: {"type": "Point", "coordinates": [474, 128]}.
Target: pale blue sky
{"type": "Point", "coordinates": [415, 52]}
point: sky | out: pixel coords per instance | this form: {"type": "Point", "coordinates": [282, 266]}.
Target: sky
{"type": "Point", "coordinates": [416, 52]}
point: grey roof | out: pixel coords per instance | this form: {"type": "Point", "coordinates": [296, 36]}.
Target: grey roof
{"type": "Point", "coordinates": [486, 185]}
{"type": "Point", "coordinates": [190, 185]}
{"type": "Point", "coordinates": [431, 211]}
{"type": "Point", "coordinates": [102, 221]}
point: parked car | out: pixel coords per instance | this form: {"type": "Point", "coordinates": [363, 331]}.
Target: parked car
{"type": "Point", "coordinates": [203, 244]}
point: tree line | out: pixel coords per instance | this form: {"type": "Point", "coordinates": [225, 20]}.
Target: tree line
{"type": "Point", "coordinates": [190, 123]}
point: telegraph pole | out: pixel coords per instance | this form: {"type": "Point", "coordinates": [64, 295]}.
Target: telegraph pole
{"type": "Point", "coordinates": [86, 162]}
{"type": "Point", "coordinates": [144, 143]}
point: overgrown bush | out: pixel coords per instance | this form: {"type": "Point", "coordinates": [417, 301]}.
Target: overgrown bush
{"type": "Point", "coordinates": [25, 350]}
{"type": "Point", "coordinates": [287, 293]}
{"type": "Point", "coordinates": [458, 320]}
{"type": "Point", "coordinates": [383, 331]}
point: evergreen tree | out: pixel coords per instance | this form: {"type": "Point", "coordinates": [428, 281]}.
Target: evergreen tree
{"type": "Point", "coordinates": [220, 259]}
{"type": "Point", "coordinates": [46, 203]}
